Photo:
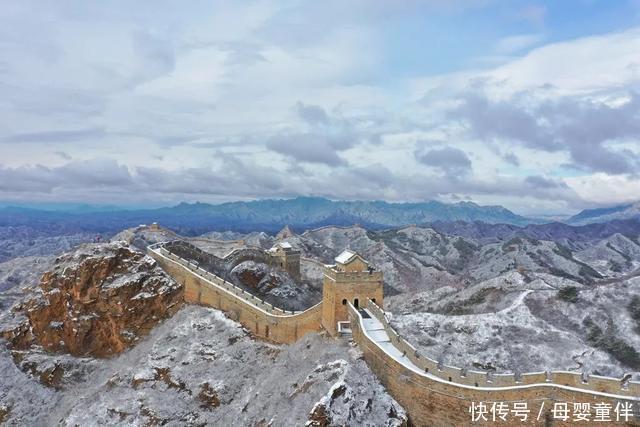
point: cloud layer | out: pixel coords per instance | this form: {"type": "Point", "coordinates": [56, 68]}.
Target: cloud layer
{"type": "Point", "coordinates": [159, 103]}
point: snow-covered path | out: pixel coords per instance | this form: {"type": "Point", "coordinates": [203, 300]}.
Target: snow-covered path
{"type": "Point", "coordinates": [374, 329]}
{"type": "Point", "coordinates": [518, 301]}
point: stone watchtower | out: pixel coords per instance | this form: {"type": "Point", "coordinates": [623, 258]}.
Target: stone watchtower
{"type": "Point", "coordinates": [350, 279]}
{"type": "Point", "coordinates": [285, 257]}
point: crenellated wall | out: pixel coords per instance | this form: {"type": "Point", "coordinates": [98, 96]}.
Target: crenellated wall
{"type": "Point", "coordinates": [289, 262]}
{"type": "Point", "coordinates": [261, 318]}
{"type": "Point", "coordinates": [340, 287]}
{"type": "Point", "coordinates": [435, 394]}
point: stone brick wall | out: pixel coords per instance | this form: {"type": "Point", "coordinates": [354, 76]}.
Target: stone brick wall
{"type": "Point", "coordinates": [223, 266]}
{"type": "Point", "coordinates": [288, 261]}
{"type": "Point", "coordinates": [261, 318]}
{"type": "Point", "coordinates": [433, 394]}
{"type": "Point", "coordinates": [341, 288]}
{"type": "Point", "coordinates": [437, 395]}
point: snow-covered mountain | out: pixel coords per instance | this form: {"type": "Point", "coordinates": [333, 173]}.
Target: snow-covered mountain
{"type": "Point", "coordinates": [620, 212]}
{"type": "Point", "coordinates": [495, 299]}
{"type": "Point", "coordinates": [477, 304]}
{"type": "Point", "coordinates": [195, 368]}
{"type": "Point", "coordinates": [260, 215]}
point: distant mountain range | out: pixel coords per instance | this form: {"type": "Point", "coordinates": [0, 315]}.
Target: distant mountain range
{"type": "Point", "coordinates": [300, 213]}
{"type": "Point", "coordinates": [263, 215]}
{"type": "Point", "coordinates": [569, 235]}
{"type": "Point", "coordinates": [620, 212]}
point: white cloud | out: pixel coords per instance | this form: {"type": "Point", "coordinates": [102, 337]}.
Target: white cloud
{"type": "Point", "coordinates": [192, 90]}
{"type": "Point", "coordinates": [578, 67]}
{"type": "Point", "coordinates": [513, 44]}
{"type": "Point", "coordinates": [605, 189]}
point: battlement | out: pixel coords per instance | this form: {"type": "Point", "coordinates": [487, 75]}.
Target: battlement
{"type": "Point", "coordinates": [350, 280]}
{"type": "Point", "coordinates": [349, 276]}
{"type": "Point", "coordinates": [437, 394]}
{"type": "Point", "coordinates": [432, 392]}
{"type": "Point", "coordinates": [285, 257]}
{"type": "Point", "coordinates": [263, 319]}
{"type": "Point", "coordinates": [473, 378]}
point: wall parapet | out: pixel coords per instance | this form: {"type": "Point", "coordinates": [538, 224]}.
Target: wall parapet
{"type": "Point", "coordinates": [435, 394]}
{"type": "Point", "coordinates": [223, 266]}
{"type": "Point", "coordinates": [351, 276]}
{"type": "Point", "coordinates": [466, 377]}
{"type": "Point", "coordinates": [262, 318]}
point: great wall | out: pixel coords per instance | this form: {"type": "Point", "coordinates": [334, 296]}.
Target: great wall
{"type": "Point", "coordinates": [432, 393]}
{"type": "Point", "coordinates": [261, 318]}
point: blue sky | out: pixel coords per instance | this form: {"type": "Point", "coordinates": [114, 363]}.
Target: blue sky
{"type": "Point", "coordinates": [529, 104]}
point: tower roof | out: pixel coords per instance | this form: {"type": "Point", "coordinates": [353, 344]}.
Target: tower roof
{"type": "Point", "coordinates": [347, 256]}
{"type": "Point", "coordinates": [286, 246]}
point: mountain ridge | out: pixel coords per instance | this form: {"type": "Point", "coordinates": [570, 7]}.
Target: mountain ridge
{"type": "Point", "coordinates": [267, 215]}
{"type": "Point", "coordinates": [598, 215]}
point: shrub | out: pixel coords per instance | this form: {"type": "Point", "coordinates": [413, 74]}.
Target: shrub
{"type": "Point", "coordinates": [569, 294]}
{"type": "Point", "coordinates": [634, 311]}
{"type": "Point", "coordinates": [608, 341]}
{"type": "Point", "coordinates": [563, 251]}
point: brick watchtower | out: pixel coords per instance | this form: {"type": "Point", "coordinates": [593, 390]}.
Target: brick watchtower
{"type": "Point", "coordinates": [350, 279]}
{"type": "Point", "coordinates": [285, 257]}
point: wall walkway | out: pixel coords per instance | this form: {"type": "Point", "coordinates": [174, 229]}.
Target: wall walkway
{"type": "Point", "coordinates": [435, 394]}
{"type": "Point", "coordinates": [261, 318]}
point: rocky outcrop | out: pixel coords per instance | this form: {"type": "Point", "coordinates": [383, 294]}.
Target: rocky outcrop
{"type": "Point", "coordinates": [346, 404]}
{"type": "Point", "coordinates": [285, 233]}
{"type": "Point", "coordinates": [258, 277]}
{"type": "Point", "coordinates": [274, 286]}
{"type": "Point", "coordinates": [96, 301]}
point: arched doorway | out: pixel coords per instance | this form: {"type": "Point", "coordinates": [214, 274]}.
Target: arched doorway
{"type": "Point", "coordinates": [355, 303]}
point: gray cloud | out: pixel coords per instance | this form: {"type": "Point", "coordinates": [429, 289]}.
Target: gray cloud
{"type": "Point", "coordinates": [310, 148]}
{"type": "Point", "coordinates": [63, 155]}
{"type": "Point", "coordinates": [244, 53]}
{"type": "Point", "coordinates": [95, 173]}
{"type": "Point", "coordinates": [86, 174]}
{"type": "Point", "coordinates": [234, 178]}
{"type": "Point", "coordinates": [312, 114]}
{"type": "Point", "coordinates": [537, 181]}
{"type": "Point", "coordinates": [449, 160]}
{"type": "Point", "coordinates": [325, 136]}
{"type": "Point", "coordinates": [46, 101]}
{"type": "Point", "coordinates": [157, 53]}
{"type": "Point", "coordinates": [581, 127]}
{"type": "Point", "coordinates": [57, 136]}
{"type": "Point", "coordinates": [36, 179]}
{"type": "Point", "coordinates": [199, 85]}
{"type": "Point", "coordinates": [503, 120]}
{"type": "Point", "coordinates": [512, 159]}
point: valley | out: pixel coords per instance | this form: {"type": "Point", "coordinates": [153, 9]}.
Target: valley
{"type": "Point", "coordinates": [485, 303]}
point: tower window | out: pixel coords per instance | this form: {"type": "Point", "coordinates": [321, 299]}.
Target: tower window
{"type": "Point", "coordinates": [355, 303]}
{"type": "Point", "coordinates": [344, 302]}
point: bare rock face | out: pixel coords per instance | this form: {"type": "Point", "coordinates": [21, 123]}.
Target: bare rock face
{"type": "Point", "coordinates": [258, 277]}
{"type": "Point", "coordinates": [96, 301]}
